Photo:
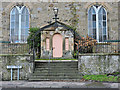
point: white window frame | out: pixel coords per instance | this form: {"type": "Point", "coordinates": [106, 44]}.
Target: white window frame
{"type": "Point", "coordinates": [19, 32]}
{"type": "Point", "coordinates": [97, 22]}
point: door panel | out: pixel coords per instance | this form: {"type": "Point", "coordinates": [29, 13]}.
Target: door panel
{"type": "Point", "coordinates": [57, 45]}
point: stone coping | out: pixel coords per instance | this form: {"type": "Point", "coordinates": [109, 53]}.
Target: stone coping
{"type": "Point", "coordinates": [56, 60]}
{"type": "Point", "coordinates": [97, 54]}
{"type": "Point", "coordinates": [15, 54]}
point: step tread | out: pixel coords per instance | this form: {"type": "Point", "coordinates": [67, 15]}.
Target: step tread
{"type": "Point", "coordinates": [55, 74]}
{"type": "Point", "coordinates": [56, 71]}
{"type": "Point", "coordinates": [60, 61]}
{"type": "Point", "coordinates": [55, 77]}
{"type": "Point", "coordinates": [56, 67]}
{"type": "Point", "coordinates": [56, 63]}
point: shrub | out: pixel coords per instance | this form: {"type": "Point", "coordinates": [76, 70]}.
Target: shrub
{"type": "Point", "coordinates": [36, 38]}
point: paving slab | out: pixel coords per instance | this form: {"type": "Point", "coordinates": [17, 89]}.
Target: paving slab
{"type": "Point", "coordinates": [55, 84]}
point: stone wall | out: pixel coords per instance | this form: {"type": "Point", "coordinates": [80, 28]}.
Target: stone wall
{"type": "Point", "coordinates": [119, 23]}
{"type": "Point", "coordinates": [23, 60]}
{"type": "Point", "coordinates": [42, 13]}
{"type": "Point", "coordinates": [98, 63]}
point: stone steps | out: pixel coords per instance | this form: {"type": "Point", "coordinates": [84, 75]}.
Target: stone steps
{"type": "Point", "coordinates": [57, 70]}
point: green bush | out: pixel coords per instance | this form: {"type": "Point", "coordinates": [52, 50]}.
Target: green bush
{"type": "Point", "coordinates": [37, 39]}
{"type": "Point", "coordinates": [32, 36]}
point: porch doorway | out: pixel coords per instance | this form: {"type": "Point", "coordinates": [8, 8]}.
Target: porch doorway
{"type": "Point", "coordinates": [57, 45]}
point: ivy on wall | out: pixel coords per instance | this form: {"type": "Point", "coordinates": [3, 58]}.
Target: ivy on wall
{"type": "Point", "coordinates": [37, 39]}
{"type": "Point", "coordinates": [74, 20]}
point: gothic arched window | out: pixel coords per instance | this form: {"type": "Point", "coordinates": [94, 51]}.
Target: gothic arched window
{"type": "Point", "coordinates": [19, 24]}
{"type": "Point", "coordinates": [97, 23]}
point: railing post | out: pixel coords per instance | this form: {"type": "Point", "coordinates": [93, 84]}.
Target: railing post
{"type": "Point", "coordinates": [11, 74]}
{"type": "Point", "coordinates": [78, 50]}
{"type": "Point", "coordinates": [94, 49]}
{"type": "Point", "coordinates": [118, 47]}
{"type": "Point", "coordinates": [33, 56]}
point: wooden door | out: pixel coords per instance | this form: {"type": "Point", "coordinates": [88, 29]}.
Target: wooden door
{"type": "Point", "coordinates": [57, 45]}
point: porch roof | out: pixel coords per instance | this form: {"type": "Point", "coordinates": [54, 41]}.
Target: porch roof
{"type": "Point", "coordinates": [57, 24]}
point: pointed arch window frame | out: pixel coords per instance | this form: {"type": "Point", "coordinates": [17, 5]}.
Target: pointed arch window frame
{"type": "Point", "coordinates": [20, 23]}
{"type": "Point", "coordinates": [97, 9]}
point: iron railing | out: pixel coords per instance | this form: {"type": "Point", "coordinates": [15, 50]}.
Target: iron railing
{"type": "Point", "coordinates": [107, 47]}
{"type": "Point", "coordinates": [111, 47]}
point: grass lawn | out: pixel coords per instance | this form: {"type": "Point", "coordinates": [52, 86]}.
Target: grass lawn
{"type": "Point", "coordinates": [56, 59]}
{"type": "Point", "coordinates": [102, 78]}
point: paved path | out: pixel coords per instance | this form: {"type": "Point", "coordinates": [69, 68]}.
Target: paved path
{"type": "Point", "coordinates": [54, 84]}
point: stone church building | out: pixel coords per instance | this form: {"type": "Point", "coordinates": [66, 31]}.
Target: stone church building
{"type": "Point", "coordinates": [98, 20]}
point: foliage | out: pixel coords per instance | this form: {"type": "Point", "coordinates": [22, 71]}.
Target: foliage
{"type": "Point", "coordinates": [85, 45]}
{"type": "Point", "coordinates": [73, 28]}
{"type": "Point", "coordinates": [114, 73]}
{"type": "Point", "coordinates": [101, 78]}
{"type": "Point", "coordinates": [32, 31]}
{"type": "Point", "coordinates": [74, 20]}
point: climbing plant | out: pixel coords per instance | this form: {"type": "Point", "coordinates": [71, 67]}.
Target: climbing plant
{"type": "Point", "coordinates": [75, 18]}
{"type": "Point", "coordinates": [32, 32]}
